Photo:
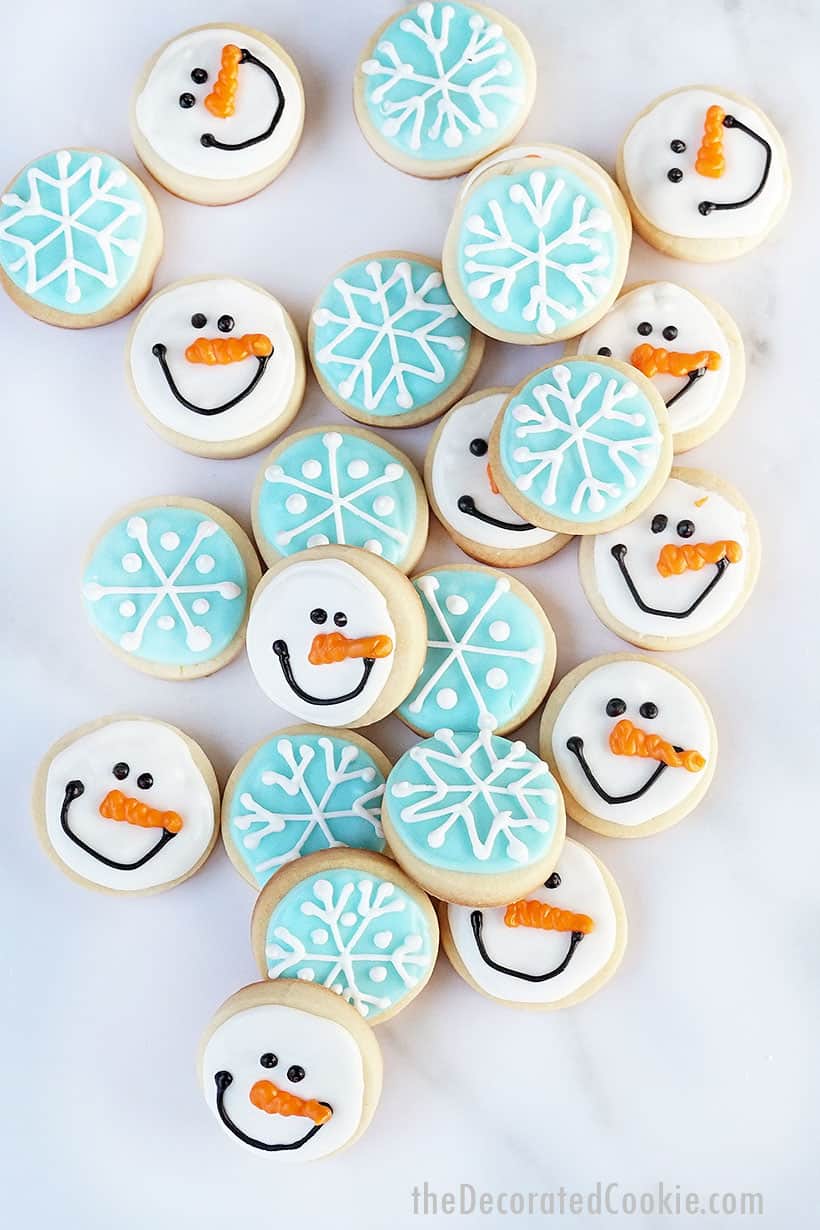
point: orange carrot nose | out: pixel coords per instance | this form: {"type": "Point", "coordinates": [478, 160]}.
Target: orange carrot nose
{"type": "Point", "coordinates": [654, 361]}
{"type": "Point", "coordinates": [546, 917]}
{"type": "Point", "coordinates": [118, 806]}
{"type": "Point", "coordinates": [274, 1101]}
{"type": "Point", "coordinates": [628, 740]}
{"type": "Point", "coordinates": [710, 160]}
{"type": "Point", "coordinates": [336, 647]}
{"type": "Point", "coordinates": [213, 350]}
{"type": "Point", "coordinates": [491, 481]}
{"type": "Point", "coordinates": [676, 559]}
{"type": "Point", "coordinates": [221, 102]}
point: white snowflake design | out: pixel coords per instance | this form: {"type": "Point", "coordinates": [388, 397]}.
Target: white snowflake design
{"type": "Point", "coordinates": [313, 808]}
{"type": "Point", "coordinates": [582, 429]}
{"type": "Point", "coordinates": [452, 99]}
{"type": "Point", "coordinates": [520, 245]}
{"type": "Point", "coordinates": [353, 950]}
{"type": "Point", "coordinates": [69, 226]}
{"type": "Point", "coordinates": [412, 351]}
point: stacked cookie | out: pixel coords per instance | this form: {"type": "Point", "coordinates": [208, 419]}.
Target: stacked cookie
{"type": "Point", "coordinates": [361, 866]}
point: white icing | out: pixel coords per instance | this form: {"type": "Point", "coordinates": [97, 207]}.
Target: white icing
{"type": "Point", "coordinates": [146, 747]}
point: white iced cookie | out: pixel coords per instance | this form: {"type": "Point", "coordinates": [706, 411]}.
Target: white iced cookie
{"type": "Point", "coordinates": [681, 571]}
{"type": "Point", "coordinates": [336, 636]}
{"type": "Point", "coordinates": [553, 948]}
{"type": "Point", "coordinates": [689, 347]}
{"type": "Point", "coordinates": [704, 173]}
{"type": "Point", "coordinates": [218, 113]}
{"type": "Point", "coordinates": [632, 743]}
{"type": "Point", "coordinates": [216, 366]}
{"type": "Point", "coordinates": [127, 805]}
{"type": "Point", "coordinates": [290, 1070]}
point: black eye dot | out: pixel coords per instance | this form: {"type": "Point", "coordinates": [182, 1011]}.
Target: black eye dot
{"type": "Point", "coordinates": [340, 619]}
{"type": "Point", "coordinates": [659, 523]}
{"type": "Point", "coordinates": [225, 324]}
{"type": "Point", "coordinates": [318, 616]}
{"type": "Point", "coordinates": [145, 781]}
{"type": "Point", "coordinates": [295, 1073]}
{"type": "Point", "coordinates": [198, 320]}
{"type": "Point", "coordinates": [554, 881]}
{"type": "Point", "coordinates": [675, 175]}
{"type": "Point", "coordinates": [677, 146]}
{"type": "Point", "coordinates": [199, 75]}
{"type": "Point", "coordinates": [644, 328]}
{"type": "Point", "coordinates": [685, 528]}
{"type": "Point", "coordinates": [186, 100]}
{"type": "Point", "coordinates": [648, 709]}
{"type": "Point", "coordinates": [121, 771]}
{"type": "Point", "coordinates": [670, 333]}
{"type": "Point", "coordinates": [615, 707]}
{"type": "Point", "coordinates": [478, 447]}
{"type": "Point", "coordinates": [268, 1060]}
{"type": "Point", "coordinates": [605, 351]}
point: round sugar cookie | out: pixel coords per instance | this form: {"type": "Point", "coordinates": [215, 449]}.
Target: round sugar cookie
{"type": "Point", "coordinates": [490, 652]}
{"type": "Point", "coordinates": [303, 789]}
{"type": "Point", "coordinates": [336, 636]}
{"type": "Point", "coordinates": [689, 347]}
{"type": "Point", "coordinates": [126, 805]}
{"type": "Point", "coordinates": [290, 1071]}
{"type": "Point", "coordinates": [537, 246]}
{"type": "Point", "coordinates": [387, 344]}
{"type": "Point", "coordinates": [552, 949]}
{"type": "Point", "coordinates": [440, 86]}
{"type": "Point", "coordinates": [339, 485]}
{"type": "Point", "coordinates": [681, 571]}
{"type": "Point", "coordinates": [167, 585]}
{"type": "Point", "coordinates": [632, 743]}
{"type": "Point", "coordinates": [351, 921]}
{"type": "Point", "coordinates": [217, 113]}
{"type": "Point", "coordinates": [465, 497]}
{"type": "Point", "coordinates": [473, 818]}
{"type": "Point", "coordinates": [582, 446]}
{"type": "Point", "coordinates": [80, 238]}
{"type": "Point", "coordinates": [216, 366]}
{"type": "Point", "coordinates": [705, 174]}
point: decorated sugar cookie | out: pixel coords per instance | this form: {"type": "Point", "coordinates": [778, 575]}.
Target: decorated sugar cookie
{"type": "Point", "coordinates": [167, 585]}
{"type": "Point", "coordinates": [80, 238]}
{"type": "Point", "coordinates": [681, 571]}
{"type": "Point", "coordinates": [474, 818]}
{"type": "Point", "coordinates": [686, 344]}
{"type": "Point", "coordinates": [465, 497]}
{"type": "Point", "coordinates": [301, 790]}
{"type": "Point", "coordinates": [387, 344]}
{"type": "Point", "coordinates": [290, 1070]}
{"type": "Point", "coordinates": [217, 113]}
{"type": "Point", "coordinates": [582, 446]}
{"type": "Point", "coordinates": [336, 636]}
{"type": "Point", "coordinates": [632, 743]}
{"type": "Point", "coordinates": [439, 86]}
{"type": "Point", "coordinates": [490, 652]}
{"type": "Point", "coordinates": [352, 921]}
{"type": "Point", "coordinates": [126, 804]}
{"type": "Point", "coordinates": [552, 948]}
{"type": "Point", "coordinates": [340, 485]}
{"type": "Point", "coordinates": [537, 246]}
{"type": "Point", "coordinates": [216, 366]}
{"type": "Point", "coordinates": [705, 174]}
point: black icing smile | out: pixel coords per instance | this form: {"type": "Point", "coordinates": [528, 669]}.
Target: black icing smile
{"type": "Point", "coordinates": [211, 142]}
{"type": "Point", "coordinates": [619, 552]}
{"type": "Point", "coordinates": [280, 648]}
{"type": "Point", "coordinates": [466, 504]}
{"type": "Point", "coordinates": [708, 207]}
{"type": "Point", "coordinates": [160, 350]}
{"type": "Point", "coordinates": [576, 745]}
{"type": "Point", "coordinates": [477, 924]}
{"type": "Point", "coordinates": [73, 791]}
{"type": "Point", "coordinates": [223, 1081]}
{"type": "Point", "coordinates": [691, 380]}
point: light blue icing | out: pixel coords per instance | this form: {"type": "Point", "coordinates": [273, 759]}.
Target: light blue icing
{"type": "Point", "coordinates": [71, 230]}
{"type": "Point", "coordinates": [535, 249]}
{"type": "Point", "coordinates": [473, 802]}
{"type": "Point", "coordinates": [386, 336]}
{"type": "Point", "coordinates": [306, 792]}
{"type": "Point", "coordinates": [357, 933]}
{"type": "Point", "coordinates": [485, 647]}
{"type": "Point", "coordinates": [444, 82]}
{"type": "Point", "coordinates": [334, 486]}
{"type": "Point", "coordinates": [168, 585]}
{"type": "Point", "coordinates": [581, 440]}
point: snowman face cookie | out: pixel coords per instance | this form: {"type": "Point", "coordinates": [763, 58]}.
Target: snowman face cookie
{"type": "Point", "coordinates": [632, 743]}
{"type": "Point", "coordinates": [127, 805]}
{"type": "Point", "coordinates": [216, 365]}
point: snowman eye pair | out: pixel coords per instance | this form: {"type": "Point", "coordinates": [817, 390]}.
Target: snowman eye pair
{"type": "Point", "coordinates": [617, 707]}
{"type": "Point", "coordinates": [319, 616]}
{"type": "Point", "coordinates": [669, 332]}
{"type": "Point", "coordinates": [684, 529]}
{"type": "Point", "coordinates": [675, 175]}
{"type": "Point", "coordinates": [121, 770]}
{"type": "Point", "coordinates": [295, 1072]}
{"type": "Point", "coordinates": [478, 447]}
{"type": "Point", "coordinates": [225, 323]}
{"type": "Point", "coordinates": [199, 76]}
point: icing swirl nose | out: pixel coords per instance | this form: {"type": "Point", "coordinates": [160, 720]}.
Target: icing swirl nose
{"type": "Point", "coordinates": [546, 917]}
{"type": "Point", "coordinates": [119, 806]}
{"type": "Point", "coordinates": [336, 647]}
{"type": "Point", "coordinates": [275, 1101]}
{"type": "Point", "coordinates": [675, 558]}
{"type": "Point", "coordinates": [222, 350]}
{"type": "Point", "coordinates": [654, 361]}
{"type": "Point", "coordinates": [710, 160]}
{"type": "Point", "coordinates": [628, 740]}
{"type": "Point", "coordinates": [221, 102]}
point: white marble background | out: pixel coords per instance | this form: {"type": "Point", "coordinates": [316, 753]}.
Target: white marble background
{"type": "Point", "coordinates": [697, 1065]}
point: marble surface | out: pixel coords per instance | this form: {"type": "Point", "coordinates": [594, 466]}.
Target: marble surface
{"type": "Point", "coordinates": [697, 1065]}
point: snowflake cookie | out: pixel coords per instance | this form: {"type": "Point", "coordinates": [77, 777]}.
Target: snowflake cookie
{"type": "Point", "coordinates": [352, 921]}
{"type": "Point", "coordinates": [440, 86]}
{"type": "Point", "coordinates": [490, 652]}
{"type": "Point", "coordinates": [340, 485]}
{"type": "Point", "coordinates": [582, 446]}
{"type": "Point", "coordinates": [387, 344]}
{"type": "Point", "coordinates": [80, 238]}
{"type": "Point", "coordinates": [167, 586]}
{"type": "Point", "coordinates": [303, 789]}
{"type": "Point", "coordinates": [473, 817]}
